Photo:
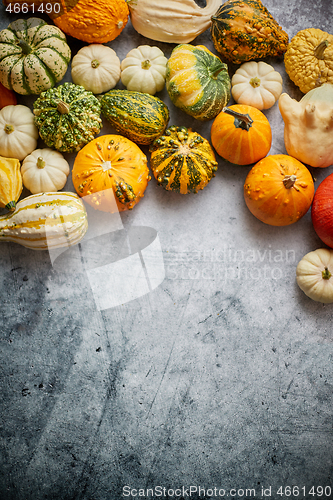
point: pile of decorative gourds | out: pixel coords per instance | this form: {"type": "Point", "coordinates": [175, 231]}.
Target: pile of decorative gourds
{"type": "Point", "coordinates": [110, 171]}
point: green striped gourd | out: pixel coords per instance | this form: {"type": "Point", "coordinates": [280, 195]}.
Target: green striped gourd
{"type": "Point", "coordinates": [34, 56]}
{"type": "Point", "coordinates": [138, 116]}
{"type": "Point", "coordinates": [46, 221]}
{"type": "Point", "coordinates": [68, 117]}
{"type": "Point", "coordinates": [197, 81]}
{"type": "Point", "coordinates": [182, 160]}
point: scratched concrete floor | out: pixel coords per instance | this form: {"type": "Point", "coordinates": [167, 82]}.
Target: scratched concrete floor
{"type": "Point", "coordinates": [219, 377]}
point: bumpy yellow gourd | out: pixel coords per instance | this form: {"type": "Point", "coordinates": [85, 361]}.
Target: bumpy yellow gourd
{"type": "Point", "coordinates": [309, 59]}
{"type": "Point", "coordinates": [10, 182]}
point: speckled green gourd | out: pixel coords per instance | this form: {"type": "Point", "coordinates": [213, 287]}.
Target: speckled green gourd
{"type": "Point", "coordinates": [34, 56]}
{"type": "Point", "coordinates": [68, 117]}
{"type": "Point", "coordinates": [138, 116]}
{"type": "Point", "coordinates": [182, 160]}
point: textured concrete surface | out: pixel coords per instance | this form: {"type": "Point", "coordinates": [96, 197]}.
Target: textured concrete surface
{"type": "Point", "coordinates": [220, 377]}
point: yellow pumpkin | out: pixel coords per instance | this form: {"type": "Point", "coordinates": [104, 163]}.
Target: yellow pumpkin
{"type": "Point", "coordinates": [10, 182]}
{"type": "Point", "coordinates": [111, 173]}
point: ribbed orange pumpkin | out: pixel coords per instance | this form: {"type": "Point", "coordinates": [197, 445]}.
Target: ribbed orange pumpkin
{"type": "Point", "coordinates": [279, 190]}
{"type": "Point", "coordinates": [111, 173]}
{"type": "Point", "coordinates": [93, 21]}
{"type": "Point", "coordinates": [241, 134]}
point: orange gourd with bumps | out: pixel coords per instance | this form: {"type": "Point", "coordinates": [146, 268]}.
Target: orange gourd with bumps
{"type": "Point", "coordinates": [111, 173]}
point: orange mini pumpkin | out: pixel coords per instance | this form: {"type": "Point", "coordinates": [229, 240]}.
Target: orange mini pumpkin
{"type": "Point", "coordinates": [111, 172]}
{"type": "Point", "coordinates": [279, 190]}
{"type": "Point", "coordinates": [96, 21]}
{"type": "Point", "coordinates": [241, 134]}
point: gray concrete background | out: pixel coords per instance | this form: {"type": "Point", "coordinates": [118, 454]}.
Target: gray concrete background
{"type": "Point", "coordinates": [215, 379]}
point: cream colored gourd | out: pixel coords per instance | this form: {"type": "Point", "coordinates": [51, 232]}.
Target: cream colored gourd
{"type": "Point", "coordinates": [144, 69]}
{"type": "Point", "coordinates": [44, 170]}
{"type": "Point", "coordinates": [10, 182]}
{"type": "Point", "coordinates": [256, 84]}
{"type": "Point", "coordinates": [18, 132]}
{"type": "Point", "coordinates": [308, 129]}
{"type": "Point", "coordinates": [46, 221]}
{"type": "Point", "coordinates": [96, 67]}
{"type": "Point", "coordinates": [314, 275]}
{"type": "Point", "coordinates": [175, 21]}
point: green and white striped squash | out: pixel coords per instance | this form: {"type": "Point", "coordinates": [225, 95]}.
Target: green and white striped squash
{"type": "Point", "coordinates": [34, 56]}
{"type": "Point", "coordinates": [197, 81]}
{"type": "Point", "coordinates": [138, 116]}
{"type": "Point", "coordinates": [182, 160]}
{"type": "Point", "coordinates": [46, 221]}
{"type": "Point", "coordinates": [67, 117]}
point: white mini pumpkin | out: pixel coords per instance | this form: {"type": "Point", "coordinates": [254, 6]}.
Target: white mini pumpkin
{"type": "Point", "coordinates": [144, 69]}
{"type": "Point", "coordinates": [96, 67]}
{"type": "Point", "coordinates": [44, 170]}
{"type": "Point", "coordinates": [314, 275]}
{"type": "Point", "coordinates": [18, 132]}
{"type": "Point", "coordinates": [256, 84]}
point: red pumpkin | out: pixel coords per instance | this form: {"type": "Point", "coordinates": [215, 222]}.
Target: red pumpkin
{"type": "Point", "coordinates": [322, 211]}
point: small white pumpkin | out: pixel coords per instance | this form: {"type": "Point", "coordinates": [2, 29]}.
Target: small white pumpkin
{"type": "Point", "coordinates": [96, 67]}
{"type": "Point", "coordinates": [44, 170]}
{"type": "Point", "coordinates": [256, 84]}
{"type": "Point", "coordinates": [144, 69]}
{"type": "Point", "coordinates": [18, 132]}
{"type": "Point", "coordinates": [314, 275]}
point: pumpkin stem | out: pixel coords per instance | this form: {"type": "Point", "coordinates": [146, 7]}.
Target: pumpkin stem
{"type": "Point", "coordinates": [95, 63]}
{"type": "Point", "coordinates": [326, 274]}
{"type": "Point", "coordinates": [25, 47]}
{"type": "Point", "coordinates": [242, 120]}
{"type": "Point", "coordinates": [145, 64]}
{"type": "Point", "coordinates": [63, 108]}
{"type": "Point", "coordinates": [255, 82]}
{"type": "Point", "coordinates": [40, 162]}
{"type": "Point", "coordinates": [216, 73]}
{"type": "Point", "coordinates": [9, 129]}
{"type": "Point", "coordinates": [289, 181]}
{"type": "Point", "coordinates": [319, 50]}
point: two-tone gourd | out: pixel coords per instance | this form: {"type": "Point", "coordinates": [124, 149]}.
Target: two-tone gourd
{"type": "Point", "coordinates": [34, 56]}
{"type": "Point", "coordinates": [67, 116]}
{"type": "Point", "coordinates": [46, 221]}
{"type": "Point", "coordinates": [182, 160]}
{"type": "Point", "coordinates": [197, 81]}
{"type": "Point", "coordinates": [243, 30]}
{"type": "Point", "coordinates": [138, 116]}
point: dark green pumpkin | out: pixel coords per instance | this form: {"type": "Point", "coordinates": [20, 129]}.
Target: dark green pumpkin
{"type": "Point", "coordinates": [243, 30]}
{"type": "Point", "coordinates": [68, 117]}
{"type": "Point", "coordinates": [197, 81]}
{"type": "Point", "coordinates": [182, 160]}
{"type": "Point", "coordinates": [138, 116]}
